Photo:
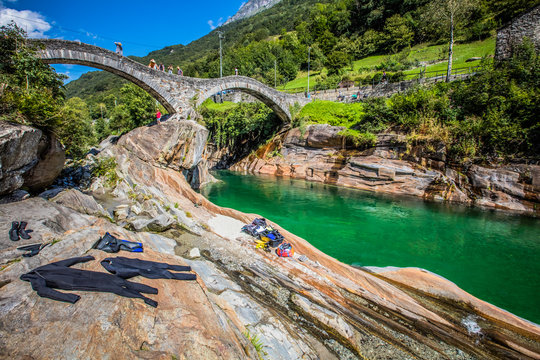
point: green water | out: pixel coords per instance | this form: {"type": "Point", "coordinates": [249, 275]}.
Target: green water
{"type": "Point", "coordinates": [492, 255]}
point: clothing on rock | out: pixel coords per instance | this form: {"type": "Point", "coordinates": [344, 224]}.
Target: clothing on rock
{"type": "Point", "coordinates": [59, 275]}
{"type": "Point", "coordinates": [127, 268]}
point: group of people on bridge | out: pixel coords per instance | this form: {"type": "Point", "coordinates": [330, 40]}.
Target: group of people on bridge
{"type": "Point", "coordinates": [153, 64]}
{"type": "Point", "coordinates": [161, 67]}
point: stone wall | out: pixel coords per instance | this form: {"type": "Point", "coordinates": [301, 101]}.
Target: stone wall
{"type": "Point", "coordinates": [380, 90]}
{"type": "Point", "coordinates": [526, 25]}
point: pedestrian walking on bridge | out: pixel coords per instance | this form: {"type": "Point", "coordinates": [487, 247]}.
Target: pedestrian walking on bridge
{"type": "Point", "coordinates": [119, 49]}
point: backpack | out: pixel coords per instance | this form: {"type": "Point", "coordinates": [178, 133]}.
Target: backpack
{"type": "Point", "coordinates": [285, 250]}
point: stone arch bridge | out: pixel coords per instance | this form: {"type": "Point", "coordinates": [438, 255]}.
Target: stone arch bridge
{"type": "Point", "coordinates": [176, 93]}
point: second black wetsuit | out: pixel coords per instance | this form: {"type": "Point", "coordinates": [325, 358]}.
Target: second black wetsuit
{"type": "Point", "coordinates": [59, 275]}
{"type": "Point", "coordinates": [127, 268]}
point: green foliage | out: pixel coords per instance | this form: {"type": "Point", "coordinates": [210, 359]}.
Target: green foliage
{"type": "Point", "coordinates": [489, 116]}
{"type": "Point", "coordinates": [76, 131]}
{"type": "Point", "coordinates": [360, 140]}
{"type": "Point", "coordinates": [238, 126]}
{"type": "Point", "coordinates": [31, 92]}
{"type": "Point", "coordinates": [336, 61]}
{"type": "Point", "coordinates": [333, 113]}
{"type": "Point", "coordinates": [106, 168]}
{"type": "Point", "coordinates": [134, 108]}
{"type": "Point", "coordinates": [257, 344]}
{"type": "Point", "coordinates": [398, 33]}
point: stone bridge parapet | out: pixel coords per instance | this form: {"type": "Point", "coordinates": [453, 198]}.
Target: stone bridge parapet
{"type": "Point", "coordinates": [176, 93]}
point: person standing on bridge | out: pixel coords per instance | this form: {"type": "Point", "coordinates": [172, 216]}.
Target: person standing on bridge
{"type": "Point", "coordinates": [119, 49]}
{"type": "Point", "coordinates": [152, 64]}
{"type": "Point", "coordinates": [158, 116]}
{"type": "Point", "coordinates": [236, 71]}
{"type": "Point", "coordinates": [170, 69]}
{"type": "Point", "coordinates": [179, 71]}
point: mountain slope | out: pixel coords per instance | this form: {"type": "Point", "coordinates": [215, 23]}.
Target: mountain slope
{"type": "Point", "coordinates": [251, 8]}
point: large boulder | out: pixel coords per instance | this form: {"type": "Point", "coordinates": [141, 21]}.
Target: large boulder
{"type": "Point", "coordinates": [176, 143]}
{"type": "Point", "coordinates": [51, 159]}
{"type": "Point", "coordinates": [28, 157]}
{"type": "Point", "coordinates": [315, 136]}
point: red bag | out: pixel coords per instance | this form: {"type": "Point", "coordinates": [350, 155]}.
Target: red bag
{"type": "Point", "coordinates": [285, 250]}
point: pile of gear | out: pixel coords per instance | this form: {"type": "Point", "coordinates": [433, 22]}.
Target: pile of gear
{"type": "Point", "coordinates": [59, 275]}
{"type": "Point", "coordinates": [268, 237]}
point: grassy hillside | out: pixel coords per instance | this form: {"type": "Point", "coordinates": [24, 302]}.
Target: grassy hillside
{"type": "Point", "coordinates": [434, 56]}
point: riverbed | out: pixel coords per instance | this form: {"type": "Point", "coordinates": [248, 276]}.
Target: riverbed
{"type": "Point", "coordinates": [491, 254]}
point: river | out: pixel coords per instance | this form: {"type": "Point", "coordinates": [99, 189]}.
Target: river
{"type": "Point", "coordinates": [491, 254]}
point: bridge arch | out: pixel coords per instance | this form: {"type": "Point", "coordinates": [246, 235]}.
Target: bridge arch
{"type": "Point", "coordinates": [279, 102]}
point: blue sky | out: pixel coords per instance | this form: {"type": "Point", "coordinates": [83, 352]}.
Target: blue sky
{"type": "Point", "coordinates": [141, 26]}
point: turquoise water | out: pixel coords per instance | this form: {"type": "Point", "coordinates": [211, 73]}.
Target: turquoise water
{"type": "Point", "coordinates": [492, 255]}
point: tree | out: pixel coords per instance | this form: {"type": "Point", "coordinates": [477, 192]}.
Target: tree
{"type": "Point", "coordinates": [336, 61]}
{"type": "Point", "coordinates": [450, 13]}
{"type": "Point", "coordinates": [398, 33]}
{"type": "Point", "coordinates": [31, 91]}
{"type": "Point", "coordinates": [76, 131]}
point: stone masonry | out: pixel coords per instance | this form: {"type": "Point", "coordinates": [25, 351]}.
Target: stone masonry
{"type": "Point", "coordinates": [525, 25]}
{"type": "Point", "coordinates": [178, 94]}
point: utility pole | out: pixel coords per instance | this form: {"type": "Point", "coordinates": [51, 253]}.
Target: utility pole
{"type": "Point", "coordinates": [220, 34]}
{"type": "Point", "coordinates": [275, 73]}
{"type": "Point", "coordinates": [308, 59]}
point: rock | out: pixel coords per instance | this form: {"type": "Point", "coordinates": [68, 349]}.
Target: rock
{"type": "Point", "coordinates": [106, 143]}
{"type": "Point", "coordinates": [194, 253]}
{"type": "Point", "coordinates": [121, 212]}
{"type": "Point", "coordinates": [496, 179]}
{"type": "Point", "coordinates": [185, 323]}
{"type": "Point", "coordinates": [319, 155]}
{"type": "Point", "coordinates": [80, 202]}
{"type": "Point", "coordinates": [324, 136]}
{"type": "Point", "coordinates": [17, 195]}
{"type": "Point", "coordinates": [177, 144]}
{"type": "Point", "coordinates": [48, 194]}
{"type": "Point", "coordinates": [51, 158]}
{"type": "Point", "coordinates": [18, 154]}
{"type": "Point", "coordinates": [242, 296]}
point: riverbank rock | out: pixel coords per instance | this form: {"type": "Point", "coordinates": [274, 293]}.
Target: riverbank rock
{"type": "Point", "coordinates": [245, 304]}
{"type": "Point", "coordinates": [176, 143]}
{"type": "Point", "coordinates": [321, 154]}
{"type": "Point", "coordinates": [28, 157]}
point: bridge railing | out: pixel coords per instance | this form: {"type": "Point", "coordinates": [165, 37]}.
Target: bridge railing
{"type": "Point", "coordinates": [418, 77]}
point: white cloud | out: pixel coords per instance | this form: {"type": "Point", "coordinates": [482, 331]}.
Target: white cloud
{"type": "Point", "coordinates": [219, 23]}
{"type": "Point", "coordinates": [31, 22]}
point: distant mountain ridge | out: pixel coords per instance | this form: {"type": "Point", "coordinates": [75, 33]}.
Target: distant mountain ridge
{"type": "Point", "coordinates": [251, 8]}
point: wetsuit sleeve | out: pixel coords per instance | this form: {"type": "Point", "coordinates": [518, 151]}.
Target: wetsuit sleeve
{"type": "Point", "coordinates": [40, 286]}
{"type": "Point", "coordinates": [72, 261]}
{"type": "Point", "coordinates": [183, 276]}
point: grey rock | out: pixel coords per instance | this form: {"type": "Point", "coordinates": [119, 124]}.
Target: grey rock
{"type": "Point", "coordinates": [17, 195]}
{"type": "Point", "coordinates": [18, 154]}
{"type": "Point", "coordinates": [76, 200]}
{"type": "Point", "coordinates": [51, 158]}
{"type": "Point", "coordinates": [194, 253]}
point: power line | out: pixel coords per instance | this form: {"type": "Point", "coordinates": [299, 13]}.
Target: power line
{"type": "Point", "coordinates": [86, 33]}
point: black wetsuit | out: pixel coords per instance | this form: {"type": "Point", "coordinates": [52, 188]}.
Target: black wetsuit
{"type": "Point", "coordinates": [59, 275]}
{"type": "Point", "coordinates": [127, 268]}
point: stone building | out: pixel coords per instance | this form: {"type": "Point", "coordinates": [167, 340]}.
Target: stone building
{"type": "Point", "coordinates": [525, 25]}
